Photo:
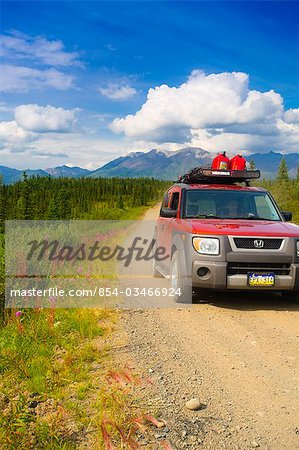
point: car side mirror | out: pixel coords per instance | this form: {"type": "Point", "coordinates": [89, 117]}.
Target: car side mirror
{"type": "Point", "coordinates": [287, 216]}
{"type": "Point", "coordinates": [167, 212]}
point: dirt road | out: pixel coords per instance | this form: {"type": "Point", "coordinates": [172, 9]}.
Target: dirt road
{"type": "Point", "coordinates": [238, 354]}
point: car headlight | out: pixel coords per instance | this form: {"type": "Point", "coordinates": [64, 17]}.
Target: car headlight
{"type": "Point", "coordinates": [206, 246]}
{"type": "Point", "coordinates": [297, 248]}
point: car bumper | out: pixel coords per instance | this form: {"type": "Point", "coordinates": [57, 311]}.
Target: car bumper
{"type": "Point", "coordinates": [218, 277]}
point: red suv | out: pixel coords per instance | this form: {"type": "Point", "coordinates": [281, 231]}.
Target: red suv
{"type": "Point", "coordinates": [221, 235]}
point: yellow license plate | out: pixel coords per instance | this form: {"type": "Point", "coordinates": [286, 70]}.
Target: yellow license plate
{"type": "Point", "coordinates": [261, 279]}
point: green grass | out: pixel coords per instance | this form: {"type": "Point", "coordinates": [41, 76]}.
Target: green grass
{"type": "Point", "coordinates": [62, 388]}
{"type": "Point", "coordinates": [53, 371]}
{"type": "Point", "coordinates": [1, 278]}
{"type": "Point", "coordinates": [46, 363]}
{"type": "Point", "coordinates": [128, 213]}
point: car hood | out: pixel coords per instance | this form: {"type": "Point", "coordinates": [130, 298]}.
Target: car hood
{"type": "Point", "coordinates": [243, 227]}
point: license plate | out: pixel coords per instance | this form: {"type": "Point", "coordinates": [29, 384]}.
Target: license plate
{"type": "Point", "coordinates": [261, 279]}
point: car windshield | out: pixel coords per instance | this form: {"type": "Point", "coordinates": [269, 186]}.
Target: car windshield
{"type": "Point", "coordinates": [230, 204]}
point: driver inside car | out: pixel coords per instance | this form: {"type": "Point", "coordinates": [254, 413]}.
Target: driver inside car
{"type": "Point", "coordinates": [231, 209]}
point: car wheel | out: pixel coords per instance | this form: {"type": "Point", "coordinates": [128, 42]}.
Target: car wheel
{"type": "Point", "coordinates": [292, 296]}
{"type": "Point", "coordinates": [181, 291]}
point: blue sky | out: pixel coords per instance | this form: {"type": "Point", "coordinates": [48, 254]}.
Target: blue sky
{"type": "Point", "coordinates": [77, 77]}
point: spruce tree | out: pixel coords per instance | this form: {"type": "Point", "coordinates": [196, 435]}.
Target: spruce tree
{"type": "Point", "coordinates": [20, 214]}
{"type": "Point", "coordinates": [23, 201]}
{"type": "Point", "coordinates": [120, 203]}
{"type": "Point", "coordinates": [52, 211]}
{"type": "Point", "coordinates": [282, 173]}
{"type": "Point", "coordinates": [63, 205]}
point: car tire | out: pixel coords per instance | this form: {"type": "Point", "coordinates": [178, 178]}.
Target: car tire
{"type": "Point", "coordinates": [200, 295]}
{"type": "Point", "coordinates": [292, 296]}
{"type": "Point", "coordinates": [178, 281]}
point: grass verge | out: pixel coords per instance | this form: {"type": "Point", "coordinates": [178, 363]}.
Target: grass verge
{"type": "Point", "coordinates": [63, 389]}
{"type": "Point", "coordinates": [60, 386]}
{"type": "Point", "coordinates": [47, 366]}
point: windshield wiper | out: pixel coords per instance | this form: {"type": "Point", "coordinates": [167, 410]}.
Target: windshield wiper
{"type": "Point", "coordinates": [246, 218]}
{"type": "Point", "coordinates": [260, 218]}
{"type": "Point", "coordinates": [205, 216]}
{"type": "Point", "coordinates": [214, 216]}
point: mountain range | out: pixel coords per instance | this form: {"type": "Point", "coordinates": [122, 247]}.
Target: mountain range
{"type": "Point", "coordinates": [160, 164]}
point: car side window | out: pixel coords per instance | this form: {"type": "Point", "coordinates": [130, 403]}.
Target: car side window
{"type": "Point", "coordinates": [175, 201]}
{"type": "Point", "coordinates": [165, 201]}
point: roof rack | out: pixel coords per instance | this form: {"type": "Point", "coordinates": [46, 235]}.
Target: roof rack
{"type": "Point", "coordinates": [212, 176]}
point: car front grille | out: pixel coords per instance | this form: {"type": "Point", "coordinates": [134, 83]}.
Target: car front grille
{"type": "Point", "coordinates": [266, 244]}
{"type": "Point", "coordinates": [240, 268]}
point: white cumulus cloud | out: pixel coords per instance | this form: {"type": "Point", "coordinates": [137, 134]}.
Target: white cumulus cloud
{"type": "Point", "coordinates": [42, 119]}
{"type": "Point", "coordinates": [35, 63]}
{"type": "Point", "coordinates": [14, 137]}
{"type": "Point", "coordinates": [291, 116]}
{"type": "Point", "coordinates": [116, 91]}
{"type": "Point", "coordinates": [214, 111]}
{"type": "Point", "coordinates": [204, 101]}
{"type": "Point", "coordinates": [22, 79]}
{"type": "Point", "coordinates": [17, 45]}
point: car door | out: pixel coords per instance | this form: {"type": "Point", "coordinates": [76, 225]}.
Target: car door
{"type": "Point", "coordinates": [166, 224]}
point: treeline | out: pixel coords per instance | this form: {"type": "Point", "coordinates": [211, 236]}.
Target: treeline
{"type": "Point", "coordinates": [39, 198]}
{"type": "Point", "coordinates": [285, 190]}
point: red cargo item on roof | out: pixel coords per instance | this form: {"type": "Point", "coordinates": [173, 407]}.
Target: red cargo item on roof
{"type": "Point", "coordinates": [221, 162]}
{"type": "Point", "coordinates": [238, 163]}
